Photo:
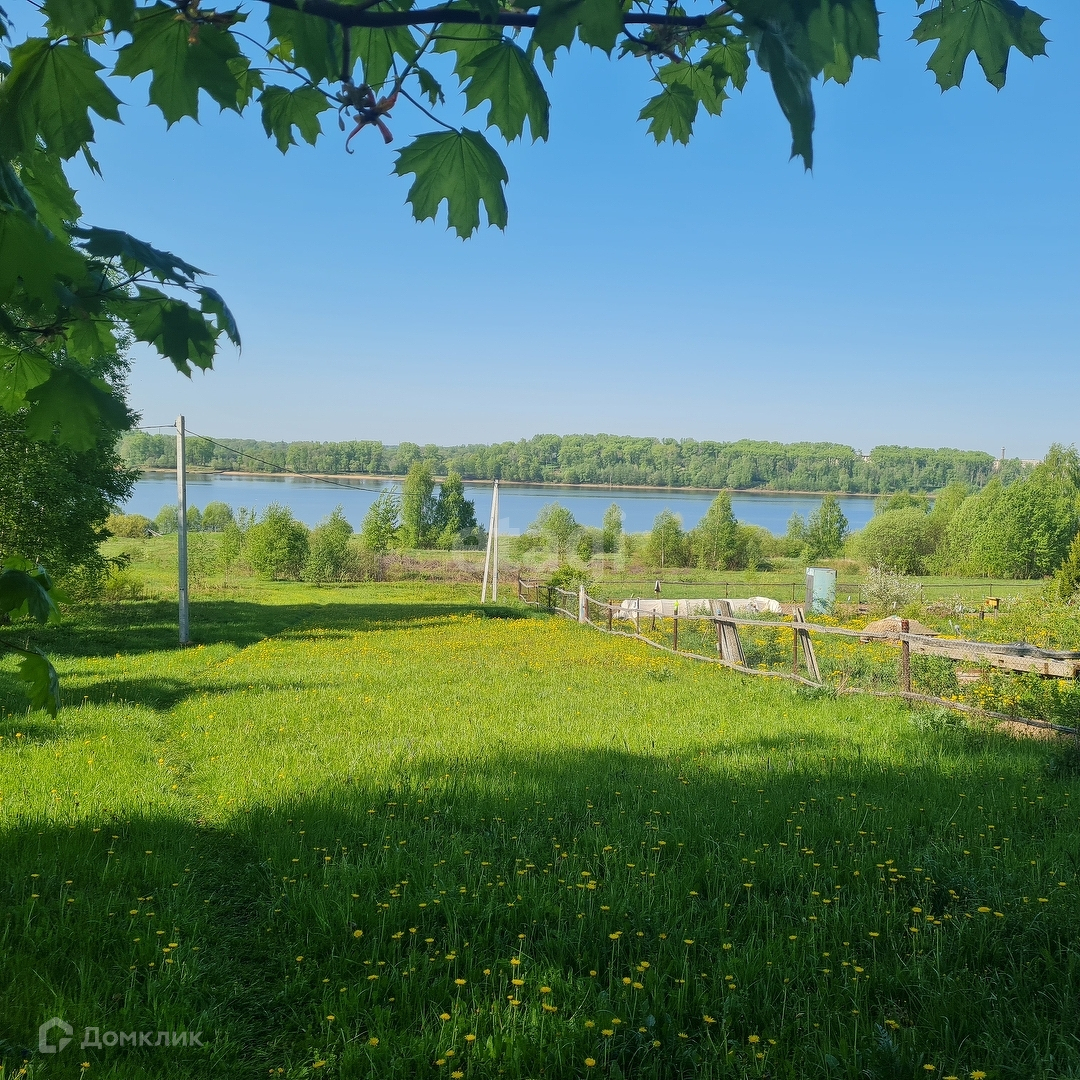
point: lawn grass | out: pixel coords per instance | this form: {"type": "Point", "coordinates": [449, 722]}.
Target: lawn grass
{"type": "Point", "coordinates": [334, 833]}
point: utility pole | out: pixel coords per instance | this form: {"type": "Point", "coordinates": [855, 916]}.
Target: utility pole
{"type": "Point", "coordinates": [491, 554]}
{"type": "Point", "coordinates": [181, 532]}
{"type": "Point", "coordinates": [495, 543]}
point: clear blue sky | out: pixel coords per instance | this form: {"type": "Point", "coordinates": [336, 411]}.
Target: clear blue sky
{"type": "Point", "coordinates": [919, 287]}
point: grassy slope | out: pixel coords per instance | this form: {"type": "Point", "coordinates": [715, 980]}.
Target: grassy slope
{"type": "Point", "coordinates": [346, 800]}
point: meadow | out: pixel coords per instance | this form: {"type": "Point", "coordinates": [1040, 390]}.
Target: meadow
{"type": "Point", "coordinates": [378, 831]}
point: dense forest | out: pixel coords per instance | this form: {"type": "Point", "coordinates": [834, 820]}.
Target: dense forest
{"type": "Point", "coordinates": [604, 459]}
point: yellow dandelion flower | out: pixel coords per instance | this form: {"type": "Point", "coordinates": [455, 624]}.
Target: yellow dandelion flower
{"type": "Point", "coordinates": [753, 1039]}
{"type": "Point", "coordinates": [470, 1038]}
{"type": "Point", "coordinates": [444, 1016]}
{"type": "Point", "coordinates": [607, 1031]}
{"type": "Point", "coordinates": [978, 1074]}
{"type": "Point", "coordinates": [590, 1062]}
{"type": "Point", "coordinates": [373, 1041]}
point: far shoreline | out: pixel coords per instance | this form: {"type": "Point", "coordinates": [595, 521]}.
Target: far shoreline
{"type": "Point", "coordinates": [388, 478]}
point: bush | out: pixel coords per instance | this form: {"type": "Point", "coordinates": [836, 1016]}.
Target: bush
{"type": "Point", "coordinates": [277, 546]}
{"type": "Point", "coordinates": [330, 551]}
{"type": "Point", "coordinates": [891, 592]}
{"type": "Point", "coordinates": [167, 520]}
{"type": "Point", "coordinates": [668, 545]}
{"type": "Point", "coordinates": [898, 540]}
{"type": "Point", "coordinates": [129, 526]}
{"type": "Point", "coordinates": [217, 517]}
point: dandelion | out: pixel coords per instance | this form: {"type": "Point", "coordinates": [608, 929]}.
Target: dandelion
{"type": "Point", "coordinates": [590, 1062]}
{"type": "Point", "coordinates": [688, 941]}
{"type": "Point", "coordinates": [444, 1016]}
{"type": "Point", "coordinates": [708, 1019]}
{"type": "Point", "coordinates": [373, 1041]}
{"type": "Point", "coordinates": [978, 1074]}
{"type": "Point", "coordinates": [983, 910]}
{"type": "Point", "coordinates": [753, 1040]}
{"type": "Point", "coordinates": [515, 961]}
{"type": "Point", "coordinates": [457, 1074]}
{"type": "Point", "coordinates": [793, 937]}
{"type": "Point", "coordinates": [545, 989]}
{"type": "Point", "coordinates": [470, 1038]}
{"type": "Point", "coordinates": [930, 1068]}
{"type": "Point", "coordinates": [459, 982]}
{"type": "Point", "coordinates": [607, 1031]}
{"type": "Point", "coordinates": [330, 1017]}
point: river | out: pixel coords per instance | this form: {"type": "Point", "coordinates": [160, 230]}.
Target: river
{"type": "Point", "coordinates": [311, 500]}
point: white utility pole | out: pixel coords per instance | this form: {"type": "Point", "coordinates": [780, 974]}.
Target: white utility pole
{"type": "Point", "coordinates": [181, 534]}
{"type": "Point", "coordinates": [492, 549]}
{"type": "Point", "coordinates": [495, 543]}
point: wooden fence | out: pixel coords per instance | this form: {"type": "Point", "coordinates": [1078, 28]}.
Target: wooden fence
{"type": "Point", "coordinates": [722, 627]}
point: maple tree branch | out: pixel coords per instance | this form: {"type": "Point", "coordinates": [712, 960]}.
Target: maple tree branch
{"type": "Point", "coordinates": [352, 15]}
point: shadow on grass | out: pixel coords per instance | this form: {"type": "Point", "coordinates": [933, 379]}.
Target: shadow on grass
{"type": "Point", "coordinates": [259, 915]}
{"type": "Point", "coordinates": [151, 626]}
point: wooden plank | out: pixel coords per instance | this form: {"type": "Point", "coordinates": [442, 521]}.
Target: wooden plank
{"type": "Point", "coordinates": [803, 635]}
{"type": "Point", "coordinates": [1064, 669]}
{"type": "Point", "coordinates": [731, 647]}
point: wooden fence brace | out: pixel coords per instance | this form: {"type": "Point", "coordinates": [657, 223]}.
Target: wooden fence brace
{"type": "Point", "coordinates": [803, 635]}
{"type": "Point", "coordinates": [731, 648]}
{"type": "Point", "coordinates": [905, 659]}
{"type": "Point", "coordinates": [675, 634]}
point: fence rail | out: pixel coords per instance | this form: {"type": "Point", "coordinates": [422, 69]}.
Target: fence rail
{"type": "Point", "coordinates": [757, 652]}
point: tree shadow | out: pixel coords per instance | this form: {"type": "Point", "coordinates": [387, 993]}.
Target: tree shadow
{"type": "Point", "coordinates": [587, 865]}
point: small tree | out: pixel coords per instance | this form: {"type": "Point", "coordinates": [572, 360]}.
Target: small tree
{"type": "Point", "coordinates": [667, 541]}
{"type": "Point", "coordinates": [898, 540]}
{"type": "Point", "coordinates": [557, 526]}
{"type": "Point", "coordinates": [217, 517]}
{"type": "Point", "coordinates": [329, 557]}
{"type": "Point", "coordinates": [825, 531]}
{"type": "Point", "coordinates": [795, 537]}
{"type": "Point", "coordinates": [277, 546]}
{"type": "Point", "coordinates": [167, 520]}
{"type": "Point", "coordinates": [1068, 575]}
{"type": "Point", "coordinates": [417, 507]}
{"type": "Point", "coordinates": [130, 526]}
{"type": "Point", "coordinates": [611, 532]}
{"type": "Point", "coordinates": [378, 530]}
{"type": "Point", "coordinates": [713, 542]}
{"type": "Point", "coordinates": [454, 515]}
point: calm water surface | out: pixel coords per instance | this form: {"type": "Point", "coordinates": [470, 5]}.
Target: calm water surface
{"type": "Point", "coordinates": [312, 500]}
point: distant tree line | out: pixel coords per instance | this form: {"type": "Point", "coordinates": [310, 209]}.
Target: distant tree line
{"type": "Point", "coordinates": [605, 459]}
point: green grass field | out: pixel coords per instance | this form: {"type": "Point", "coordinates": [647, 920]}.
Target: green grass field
{"type": "Point", "coordinates": [377, 832]}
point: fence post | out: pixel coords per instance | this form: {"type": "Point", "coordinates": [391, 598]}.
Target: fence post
{"type": "Point", "coordinates": [582, 605]}
{"type": "Point", "coordinates": [795, 643]}
{"type": "Point", "coordinates": [905, 659]}
{"type": "Point", "coordinates": [675, 633]}
{"type": "Point", "coordinates": [719, 639]}
{"type": "Point", "coordinates": [609, 613]}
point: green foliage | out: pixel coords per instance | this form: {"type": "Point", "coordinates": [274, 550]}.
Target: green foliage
{"type": "Point", "coordinates": [417, 507]}
{"type": "Point", "coordinates": [128, 525]}
{"type": "Point", "coordinates": [329, 558]}
{"type": "Point", "coordinates": [1021, 530]}
{"type": "Point", "coordinates": [668, 544]}
{"type": "Point", "coordinates": [713, 542]}
{"type": "Point", "coordinates": [454, 517]}
{"type": "Point", "coordinates": [378, 530]}
{"type": "Point", "coordinates": [167, 520]}
{"type": "Point", "coordinates": [1068, 573]}
{"type": "Point", "coordinates": [898, 540]}
{"type": "Point", "coordinates": [611, 529]}
{"type": "Point", "coordinates": [504, 76]}
{"type": "Point", "coordinates": [54, 499]}
{"type": "Point", "coordinates": [556, 528]}
{"type": "Point", "coordinates": [460, 168]}
{"type": "Point", "coordinates": [217, 517]}
{"type": "Point", "coordinates": [283, 109]}
{"type": "Point", "coordinates": [615, 459]}
{"type": "Point", "coordinates": [277, 545]}
{"type": "Point", "coordinates": [826, 528]}
{"type": "Point", "coordinates": [26, 592]}
{"type": "Point", "coordinates": [987, 28]}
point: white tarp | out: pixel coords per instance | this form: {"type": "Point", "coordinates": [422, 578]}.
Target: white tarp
{"type": "Point", "coordinates": [667, 609]}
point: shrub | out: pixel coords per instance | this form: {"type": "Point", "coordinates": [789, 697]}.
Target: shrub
{"type": "Point", "coordinates": [897, 540]}
{"type": "Point", "coordinates": [129, 526]}
{"type": "Point", "coordinates": [891, 592]}
{"type": "Point", "coordinates": [667, 544]}
{"type": "Point", "coordinates": [277, 546]}
{"type": "Point", "coordinates": [167, 520]}
{"type": "Point", "coordinates": [330, 552]}
{"type": "Point", "coordinates": [217, 517]}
